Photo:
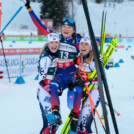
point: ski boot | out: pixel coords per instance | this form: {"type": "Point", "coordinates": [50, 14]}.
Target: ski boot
{"type": "Point", "coordinates": [54, 117]}
{"type": "Point", "coordinates": [73, 126]}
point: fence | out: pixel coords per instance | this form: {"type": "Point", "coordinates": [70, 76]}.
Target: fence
{"type": "Point", "coordinates": [19, 65]}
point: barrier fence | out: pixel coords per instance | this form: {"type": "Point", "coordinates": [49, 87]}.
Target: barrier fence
{"type": "Point", "coordinates": [19, 65]}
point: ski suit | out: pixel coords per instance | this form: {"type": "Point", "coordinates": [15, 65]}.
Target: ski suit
{"type": "Point", "coordinates": [47, 69]}
{"type": "Point", "coordinates": [68, 50]}
{"type": "Point", "coordinates": [86, 118]}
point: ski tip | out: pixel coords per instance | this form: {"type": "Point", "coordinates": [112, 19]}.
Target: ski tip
{"type": "Point", "coordinates": [118, 114]}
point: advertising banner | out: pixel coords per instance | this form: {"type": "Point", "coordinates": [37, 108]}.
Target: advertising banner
{"type": "Point", "coordinates": [13, 63]}
{"type": "Point", "coordinates": [19, 65]}
{"type": "Point", "coordinates": [25, 38]}
{"type": "Point", "coordinates": [20, 51]}
{"type": "Point", "coordinates": [29, 64]}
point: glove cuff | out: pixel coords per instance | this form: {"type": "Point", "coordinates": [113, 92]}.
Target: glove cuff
{"type": "Point", "coordinates": [28, 7]}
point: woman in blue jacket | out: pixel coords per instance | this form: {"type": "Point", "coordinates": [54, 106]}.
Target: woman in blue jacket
{"type": "Point", "coordinates": [68, 51]}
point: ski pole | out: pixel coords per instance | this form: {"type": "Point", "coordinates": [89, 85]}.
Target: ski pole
{"type": "Point", "coordinates": [100, 74]}
{"type": "Point", "coordinates": [98, 64]}
{"type": "Point", "coordinates": [20, 8]}
{"type": "Point", "coordinates": [117, 113]}
{"type": "Point", "coordinates": [91, 102]}
{"type": "Point", "coordinates": [5, 59]}
{"type": "Point", "coordinates": [90, 99]}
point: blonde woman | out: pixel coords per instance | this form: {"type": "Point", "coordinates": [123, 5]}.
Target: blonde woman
{"type": "Point", "coordinates": [47, 69]}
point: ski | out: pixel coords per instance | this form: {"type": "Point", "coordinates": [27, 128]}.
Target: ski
{"type": "Point", "coordinates": [106, 57]}
{"type": "Point", "coordinates": [100, 75]}
{"type": "Point", "coordinates": [103, 27]}
{"type": "Point", "coordinates": [99, 67]}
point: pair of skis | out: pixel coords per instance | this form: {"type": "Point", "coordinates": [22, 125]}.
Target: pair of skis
{"type": "Point", "coordinates": [106, 57]}
{"type": "Point", "coordinates": [103, 27]}
{"type": "Point", "coordinates": [100, 75]}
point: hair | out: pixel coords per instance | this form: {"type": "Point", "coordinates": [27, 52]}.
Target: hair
{"type": "Point", "coordinates": [43, 49]}
{"type": "Point", "coordinates": [74, 34]}
{"type": "Point", "coordinates": [78, 34]}
{"type": "Point", "coordinates": [90, 58]}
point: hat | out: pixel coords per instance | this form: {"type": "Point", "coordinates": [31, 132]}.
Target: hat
{"type": "Point", "coordinates": [68, 21]}
{"type": "Point", "coordinates": [53, 37]}
{"type": "Point", "coordinates": [87, 40]}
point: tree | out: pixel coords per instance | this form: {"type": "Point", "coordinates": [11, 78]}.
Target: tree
{"type": "Point", "coordinates": [98, 1]}
{"type": "Point", "coordinates": [54, 9]}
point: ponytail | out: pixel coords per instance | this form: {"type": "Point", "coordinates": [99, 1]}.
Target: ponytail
{"type": "Point", "coordinates": [43, 49]}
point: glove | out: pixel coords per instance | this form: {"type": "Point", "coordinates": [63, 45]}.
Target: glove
{"type": "Point", "coordinates": [76, 83]}
{"type": "Point", "coordinates": [70, 85]}
{"type": "Point", "coordinates": [76, 59]}
{"type": "Point", "coordinates": [79, 83]}
{"type": "Point", "coordinates": [27, 3]}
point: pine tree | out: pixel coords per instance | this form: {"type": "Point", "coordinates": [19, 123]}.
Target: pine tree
{"type": "Point", "coordinates": [54, 9]}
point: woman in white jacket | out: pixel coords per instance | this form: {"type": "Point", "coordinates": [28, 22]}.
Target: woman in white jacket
{"type": "Point", "coordinates": [86, 118]}
{"type": "Point", "coordinates": [47, 70]}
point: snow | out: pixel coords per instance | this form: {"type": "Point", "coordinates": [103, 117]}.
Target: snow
{"type": "Point", "coordinates": [119, 18]}
{"type": "Point", "coordinates": [9, 8]}
{"type": "Point", "coordinates": [19, 109]}
{"type": "Point", "coordinates": [20, 112]}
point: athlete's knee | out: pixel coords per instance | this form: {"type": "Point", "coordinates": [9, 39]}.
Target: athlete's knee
{"type": "Point", "coordinates": [54, 86]}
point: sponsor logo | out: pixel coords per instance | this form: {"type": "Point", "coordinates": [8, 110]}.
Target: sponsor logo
{"type": "Point", "coordinates": [67, 64]}
{"type": "Point", "coordinates": [71, 96]}
{"type": "Point", "coordinates": [47, 99]}
{"type": "Point", "coordinates": [60, 65]}
{"type": "Point", "coordinates": [65, 47]}
{"type": "Point", "coordinates": [66, 23]}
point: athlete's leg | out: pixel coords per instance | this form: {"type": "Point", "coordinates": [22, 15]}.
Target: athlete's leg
{"type": "Point", "coordinates": [86, 117]}
{"type": "Point", "coordinates": [45, 106]}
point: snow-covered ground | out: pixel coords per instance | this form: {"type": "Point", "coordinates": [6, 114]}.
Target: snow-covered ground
{"type": "Point", "coordinates": [20, 112]}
